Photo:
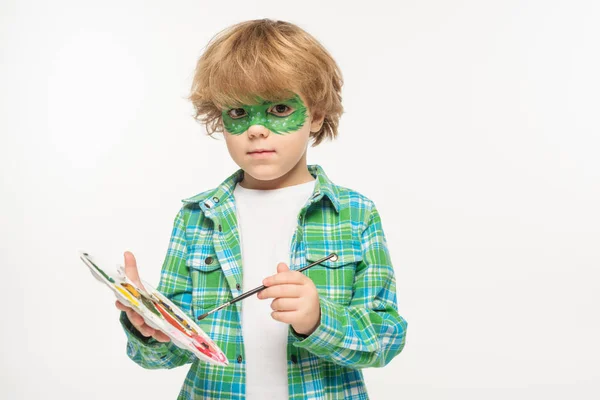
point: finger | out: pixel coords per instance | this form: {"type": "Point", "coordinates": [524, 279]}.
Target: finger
{"type": "Point", "coordinates": [135, 318]}
{"type": "Point", "coordinates": [161, 337]}
{"type": "Point", "coordinates": [146, 330]}
{"type": "Point", "coordinates": [131, 270]}
{"type": "Point", "coordinates": [122, 306]}
{"type": "Point", "coordinates": [282, 267]}
{"type": "Point", "coordinates": [294, 277]}
{"type": "Point", "coordinates": [285, 304]}
{"type": "Point", "coordinates": [138, 323]}
{"type": "Point", "coordinates": [287, 317]}
{"type": "Point", "coordinates": [280, 291]}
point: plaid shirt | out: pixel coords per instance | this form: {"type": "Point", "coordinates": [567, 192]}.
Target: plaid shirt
{"type": "Point", "coordinates": [360, 326]}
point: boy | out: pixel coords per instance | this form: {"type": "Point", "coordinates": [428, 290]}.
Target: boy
{"type": "Point", "coordinates": [270, 88]}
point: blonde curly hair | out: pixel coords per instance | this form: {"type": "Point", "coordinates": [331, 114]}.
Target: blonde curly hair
{"type": "Point", "coordinates": [269, 59]}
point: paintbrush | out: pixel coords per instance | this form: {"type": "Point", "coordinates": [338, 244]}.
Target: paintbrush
{"type": "Point", "coordinates": [242, 296]}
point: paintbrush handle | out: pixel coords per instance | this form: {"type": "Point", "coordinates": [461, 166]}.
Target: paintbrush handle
{"type": "Point", "coordinates": [247, 294]}
{"type": "Point", "coordinates": [263, 287]}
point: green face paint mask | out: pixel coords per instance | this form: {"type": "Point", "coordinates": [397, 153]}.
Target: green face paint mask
{"type": "Point", "coordinates": [275, 116]}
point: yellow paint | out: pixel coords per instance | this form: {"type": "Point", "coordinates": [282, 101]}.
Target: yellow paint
{"type": "Point", "coordinates": [131, 290]}
{"type": "Point", "coordinates": [128, 296]}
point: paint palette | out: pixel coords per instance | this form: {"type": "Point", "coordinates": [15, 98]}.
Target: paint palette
{"type": "Point", "coordinates": [160, 313]}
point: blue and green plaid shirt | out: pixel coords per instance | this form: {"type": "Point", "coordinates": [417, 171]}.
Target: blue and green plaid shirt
{"type": "Point", "coordinates": [360, 326]}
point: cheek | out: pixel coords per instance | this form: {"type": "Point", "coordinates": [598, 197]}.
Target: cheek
{"type": "Point", "coordinates": [234, 145]}
{"type": "Point", "coordinates": [301, 136]}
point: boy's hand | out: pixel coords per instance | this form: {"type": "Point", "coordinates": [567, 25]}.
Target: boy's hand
{"type": "Point", "coordinates": [296, 299]}
{"type": "Point", "coordinates": [136, 319]}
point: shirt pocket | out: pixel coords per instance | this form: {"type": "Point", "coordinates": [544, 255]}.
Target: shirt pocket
{"type": "Point", "coordinates": [334, 279]}
{"type": "Point", "coordinates": [209, 286]}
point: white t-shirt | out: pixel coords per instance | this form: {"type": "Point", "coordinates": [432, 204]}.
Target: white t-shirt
{"type": "Point", "coordinates": [267, 220]}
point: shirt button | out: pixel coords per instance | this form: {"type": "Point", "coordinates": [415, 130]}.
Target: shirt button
{"type": "Point", "coordinates": [207, 205]}
{"type": "Point", "coordinates": [238, 286]}
{"type": "Point", "coordinates": [239, 359]}
{"type": "Point", "coordinates": [208, 260]}
{"type": "Point", "coordinates": [220, 228]}
{"type": "Point", "coordinates": [294, 359]}
{"type": "Point", "coordinates": [216, 199]}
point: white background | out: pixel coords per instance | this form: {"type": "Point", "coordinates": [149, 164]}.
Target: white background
{"type": "Point", "coordinates": [473, 125]}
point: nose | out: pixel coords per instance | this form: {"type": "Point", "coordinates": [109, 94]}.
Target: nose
{"type": "Point", "coordinates": [257, 130]}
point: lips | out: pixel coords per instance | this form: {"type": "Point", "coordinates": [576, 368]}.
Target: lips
{"type": "Point", "coordinates": [261, 154]}
{"type": "Point", "coordinates": [260, 151]}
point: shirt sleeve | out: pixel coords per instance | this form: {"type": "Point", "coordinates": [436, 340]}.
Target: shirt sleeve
{"type": "Point", "coordinates": [175, 284]}
{"type": "Point", "coordinates": [368, 332]}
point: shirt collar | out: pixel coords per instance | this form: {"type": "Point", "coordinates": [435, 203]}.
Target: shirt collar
{"type": "Point", "coordinates": [213, 198]}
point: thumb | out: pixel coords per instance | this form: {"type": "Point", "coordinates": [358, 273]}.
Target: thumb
{"type": "Point", "coordinates": [282, 267]}
{"type": "Point", "coordinates": [131, 270]}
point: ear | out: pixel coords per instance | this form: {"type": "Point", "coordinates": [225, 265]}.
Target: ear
{"type": "Point", "coordinates": [316, 122]}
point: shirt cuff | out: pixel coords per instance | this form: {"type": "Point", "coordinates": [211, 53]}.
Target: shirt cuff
{"type": "Point", "coordinates": [330, 332]}
{"type": "Point", "coordinates": [297, 335]}
{"type": "Point", "coordinates": [134, 336]}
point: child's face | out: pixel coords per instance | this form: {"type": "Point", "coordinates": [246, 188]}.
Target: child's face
{"type": "Point", "coordinates": [281, 129]}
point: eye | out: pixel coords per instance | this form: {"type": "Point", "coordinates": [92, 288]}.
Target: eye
{"type": "Point", "coordinates": [236, 113]}
{"type": "Point", "coordinates": [281, 110]}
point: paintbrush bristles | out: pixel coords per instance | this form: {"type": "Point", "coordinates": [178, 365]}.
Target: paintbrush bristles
{"type": "Point", "coordinates": [203, 316]}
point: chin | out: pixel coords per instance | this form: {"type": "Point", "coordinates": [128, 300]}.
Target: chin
{"type": "Point", "coordinates": [265, 172]}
